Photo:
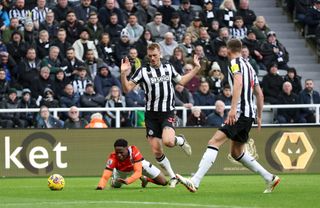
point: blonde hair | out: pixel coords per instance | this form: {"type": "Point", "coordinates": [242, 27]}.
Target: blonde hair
{"type": "Point", "coordinates": [233, 6]}
{"type": "Point", "coordinates": [96, 115]}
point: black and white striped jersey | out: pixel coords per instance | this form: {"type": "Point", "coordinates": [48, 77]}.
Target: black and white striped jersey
{"type": "Point", "coordinates": [246, 103]}
{"type": "Point", "coordinates": [158, 87]}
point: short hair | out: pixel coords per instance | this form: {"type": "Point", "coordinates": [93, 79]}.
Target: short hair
{"type": "Point", "coordinates": [120, 143]}
{"type": "Point", "coordinates": [238, 18]}
{"type": "Point", "coordinates": [154, 46]}
{"type": "Point", "coordinates": [234, 45]}
{"type": "Point", "coordinates": [96, 115]}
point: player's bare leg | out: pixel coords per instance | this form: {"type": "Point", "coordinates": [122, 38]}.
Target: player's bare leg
{"type": "Point", "coordinates": [159, 180]}
{"type": "Point", "coordinates": [170, 139]}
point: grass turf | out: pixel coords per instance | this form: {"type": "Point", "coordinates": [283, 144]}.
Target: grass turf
{"type": "Point", "coordinates": [215, 191]}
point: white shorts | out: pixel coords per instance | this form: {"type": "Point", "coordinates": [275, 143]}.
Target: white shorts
{"type": "Point", "coordinates": [148, 170]}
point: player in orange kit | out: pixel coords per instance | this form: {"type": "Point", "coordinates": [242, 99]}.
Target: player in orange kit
{"type": "Point", "coordinates": [126, 165]}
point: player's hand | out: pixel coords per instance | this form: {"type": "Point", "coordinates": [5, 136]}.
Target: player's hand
{"type": "Point", "coordinates": [99, 188]}
{"type": "Point", "coordinates": [125, 65]}
{"type": "Point", "coordinates": [259, 121]}
{"type": "Point", "coordinates": [231, 119]}
{"type": "Point", "coordinates": [120, 180]}
{"type": "Point", "coordinates": [196, 61]}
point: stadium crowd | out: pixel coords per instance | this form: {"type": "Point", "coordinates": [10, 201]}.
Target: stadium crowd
{"type": "Point", "coordinates": [68, 53]}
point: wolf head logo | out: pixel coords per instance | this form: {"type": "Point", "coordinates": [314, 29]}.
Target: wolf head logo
{"type": "Point", "coordinates": [294, 149]}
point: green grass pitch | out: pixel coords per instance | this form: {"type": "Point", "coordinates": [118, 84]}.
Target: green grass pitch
{"type": "Point", "coordinates": [226, 191]}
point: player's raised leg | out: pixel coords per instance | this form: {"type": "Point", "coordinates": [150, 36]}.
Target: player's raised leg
{"type": "Point", "coordinates": [170, 140]}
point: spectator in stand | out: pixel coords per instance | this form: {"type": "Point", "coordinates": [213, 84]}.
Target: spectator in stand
{"type": "Point", "coordinates": [17, 48]}
{"type": "Point", "coordinates": [104, 80]}
{"type": "Point", "coordinates": [4, 85]}
{"type": "Point", "coordinates": [134, 29]}
{"type": "Point", "coordinates": [72, 63]}
{"type": "Point", "coordinates": [90, 98]}
{"type": "Point", "coordinates": [194, 28]}
{"type": "Point", "coordinates": [30, 34]}
{"type": "Point", "coordinates": [217, 118]}
{"type": "Point", "coordinates": [74, 121]}
{"type": "Point", "coordinates": [301, 8]}
{"type": "Point", "coordinates": [92, 63]}
{"type": "Point", "coordinates": [246, 56]}
{"type": "Point", "coordinates": [43, 44]}
{"type": "Point", "coordinates": [53, 62]}
{"type": "Point", "coordinates": [313, 17]}
{"type": "Point", "coordinates": [115, 99]}
{"type": "Point", "coordinates": [226, 13]}
{"type": "Point", "coordinates": [95, 28]}
{"type": "Point", "coordinates": [96, 121]}
{"type": "Point", "coordinates": [222, 39]}
{"type": "Point", "coordinates": [26, 101]}
{"type": "Point", "coordinates": [194, 83]}
{"type": "Point", "coordinates": [225, 96]}
{"type": "Point", "coordinates": [209, 13]}
{"type": "Point", "coordinates": [62, 43]}
{"type": "Point", "coordinates": [82, 45]}
{"type": "Point", "coordinates": [19, 11]}
{"type": "Point", "coordinates": [49, 99]}
{"type": "Point", "coordinates": [128, 9]}
{"type": "Point", "coordinates": [223, 61]}
{"type": "Point", "coordinates": [272, 84]}
{"type": "Point", "coordinates": [204, 62]}
{"type": "Point", "coordinates": [213, 30]}
{"type": "Point", "coordinates": [253, 45]}
{"type": "Point", "coordinates": [157, 28]}
{"type": "Point", "coordinates": [122, 47]}
{"type": "Point", "coordinates": [167, 46]}
{"type": "Point", "coordinates": [81, 80]}
{"type": "Point", "coordinates": [186, 45]}
{"type": "Point", "coordinates": [61, 10]}
{"type": "Point", "coordinates": [183, 97]}
{"type": "Point", "coordinates": [206, 43]}
{"type": "Point", "coordinates": [197, 118]}
{"type": "Point", "coordinates": [10, 67]}
{"type": "Point", "coordinates": [273, 51]}
{"type": "Point", "coordinates": [239, 30]}
{"type": "Point", "coordinates": [69, 97]}
{"type": "Point", "coordinates": [248, 15]}
{"type": "Point", "coordinates": [84, 9]}
{"type": "Point", "coordinates": [46, 121]}
{"type": "Point", "coordinates": [106, 51]}
{"type": "Point", "coordinates": [135, 62]}
{"type": "Point", "coordinates": [260, 28]}
{"type": "Point", "coordinates": [177, 60]}
{"type": "Point", "coordinates": [166, 10]}
{"type": "Point", "coordinates": [13, 27]}
{"type": "Point", "coordinates": [176, 27]}
{"type": "Point", "coordinates": [114, 28]}
{"type": "Point", "coordinates": [28, 68]}
{"type": "Point", "coordinates": [308, 96]}
{"type": "Point", "coordinates": [106, 12]}
{"type": "Point", "coordinates": [73, 27]}
{"type": "Point", "coordinates": [294, 79]}
{"type": "Point", "coordinates": [10, 120]}
{"type": "Point", "coordinates": [287, 97]}
{"type": "Point", "coordinates": [135, 98]}
{"type": "Point", "coordinates": [51, 25]}
{"type": "Point", "coordinates": [39, 13]}
{"type": "Point", "coordinates": [186, 12]}
{"type": "Point", "coordinates": [5, 21]}
{"type": "Point", "coordinates": [142, 44]}
{"type": "Point", "coordinates": [215, 79]}
{"type": "Point", "coordinates": [59, 82]}
{"type": "Point", "coordinates": [203, 97]}
{"type": "Point", "coordinates": [41, 82]}
{"type": "Point", "coordinates": [145, 12]}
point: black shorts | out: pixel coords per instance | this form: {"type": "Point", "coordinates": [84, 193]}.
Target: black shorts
{"type": "Point", "coordinates": [240, 130]}
{"type": "Point", "coordinates": [156, 121]}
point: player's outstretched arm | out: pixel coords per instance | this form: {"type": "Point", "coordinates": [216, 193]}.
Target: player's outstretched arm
{"type": "Point", "coordinates": [187, 77]}
{"type": "Point", "coordinates": [127, 86]}
{"type": "Point", "coordinates": [104, 179]}
{"type": "Point", "coordinates": [137, 173]}
{"type": "Point", "coordinates": [260, 100]}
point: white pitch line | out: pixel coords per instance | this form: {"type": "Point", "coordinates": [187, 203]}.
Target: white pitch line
{"type": "Point", "coordinates": [119, 202]}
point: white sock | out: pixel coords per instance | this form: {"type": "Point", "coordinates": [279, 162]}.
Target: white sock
{"type": "Point", "coordinates": [206, 162]}
{"type": "Point", "coordinates": [179, 140]}
{"type": "Point", "coordinates": [249, 162]}
{"type": "Point", "coordinates": [165, 164]}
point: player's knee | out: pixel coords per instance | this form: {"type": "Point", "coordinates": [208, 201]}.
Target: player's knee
{"type": "Point", "coordinates": [169, 143]}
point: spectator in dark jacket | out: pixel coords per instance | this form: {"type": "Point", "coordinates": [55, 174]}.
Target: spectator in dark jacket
{"type": "Point", "coordinates": [248, 15]}
{"type": "Point", "coordinates": [122, 47]}
{"type": "Point", "coordinates": [272, 85]}
{"type": "Point", "coordinates": [72, 26]}
{"type": "Point", "coordinates": [26, 102]}
{"type": "Point", "coordinates": [74, 121]}
{"type": "Point", "coordinates": [17, 48]}
{"type": "Point", "coordinates": [196, 118]}
{"type": "Point", "coordinates": [106, 11]}
{"type": "Point", "coordinates": [61, 10]}
{"type": "Point", "coordinates": [41, 82]}
{"type": "Point", "coordinates": [4, 85]}
{"type": "Point", "coordinates": [203, 97]}
{"type": "Point", "coordinates": [62, 43]}
{"type": "Point", "coordinates": [308, 96]}
{"type": "Point", "coordinates": [313, 17]}
{"type": "Point", "coordinates": [84, 9]}
{"type": "Point", "coordinates": [46, 121]}
{"type": "Point", "coordinates": [114, 28]}
{"type": "Point", "coordinates": [225, 95]}
{"type": "Point", "coordinates": [50, 25]}
{"type": "Point", "coordinates": [294, 79]}
{"type": "Point", "coordinates": [49, 99]}
{"type": "Point", "coordinates": [216, 119]}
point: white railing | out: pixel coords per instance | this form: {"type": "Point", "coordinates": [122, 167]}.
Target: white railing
{"type": "Point", "coordinates": [266, 108]}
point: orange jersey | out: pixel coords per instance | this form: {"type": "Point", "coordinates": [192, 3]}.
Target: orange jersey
{"type": "Point", "coordinates": [126, 165]}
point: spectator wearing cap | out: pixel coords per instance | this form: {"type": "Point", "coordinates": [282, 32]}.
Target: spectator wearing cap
{"type": "Point", "coordinates": [209, 13]}
{"type": "Point", "coordinates": [157, 28]}
{"type": "Point", "coordinates": [19, 11]}
{"type": "Point", "coordinates": [39, 13]}
{"type": "Point", "coordinates": [46, 121]}
{"type": "Point", "coordinates": [261, 29]}
{"type": "Point", "coordinates": [294, 79]}
{"type": "Point", "coordinates": [205, 41]}
{"type": "Point", "coordinates": [107, 10]}
{"type": "Point", "coordinates": [176, 27]}
{"type": "Point", "coordinates": [253, 45]}
{"type": "Point", "coordinates": [166, 10]}
{"type": "Point", "coordinates": [84, 9]}
{"type": "Point", "coordinates": [226, 13]}
{"type": "Point", "coordinates": [62, 43]}
{"type": "Point", "coordinates": [53, 62]}
{"type": "Point", "coordinates": [246, 56]}
{"type": "Point", "coordinates": [43, 44]}
{"type": "Point", "coordinates": [194, 28]}
{"type": "Point", "coordinates": [74, 121]}
{"type": "Point", "coordinates": [49, 99]}
{"type": "Point", "coordinates": [114, 28]}
{"type": "Point", "coordinates": [7, 32]}
{"type": "Point", "coordinates": [203, 97]}
{"type": "Point", "coordinates": [4, 85]}
{"type": "Point", "coordinates": [41, 82]}
{"type": "Point", "coordinates": [81, 80]}
{"type": "Point", "coordinates": [313, 17]}
{"type": "Point", "coordinates": [122, 46]}
{"type": "Point", "coordinates": [145, 12]}
{"type": "Point", "coordinates": [17, 48]}
{"type": "Point", "coordinates": [197, 118]}
{"type": "Point", "coordinates": [60, 10]}
{"type": "Point", "coordinates": [26, 101]}
{"type": "Point", "coordinates": [272, 84]}
{"type": "Point", "coordinates": [51, 25]}
{"type": "Point", "coordinates": [73, 27]}
{"type": "Point", "coordinates": [215, 78]}
{"type": "Point", "coordinates": [167, 45]}
{"type": "Point", "coordinates": [29, 68]}
{"type": "Point", "coordinates": [105, 80]}
{"type": "Point", "coordinates": [94, 27]}
{"type": "Point", "coordinates": [82, 45]}
{"type": "Point", "coordinates": [186, 12]}
{"type": "Point", "coordinates": [273, 51]}
{"type": "Point", "coordinates": [217, 118]}
{"type": "Point", "coordinates": [134, 29]}
{"type": "Point", "coordinates": [247, 14]}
